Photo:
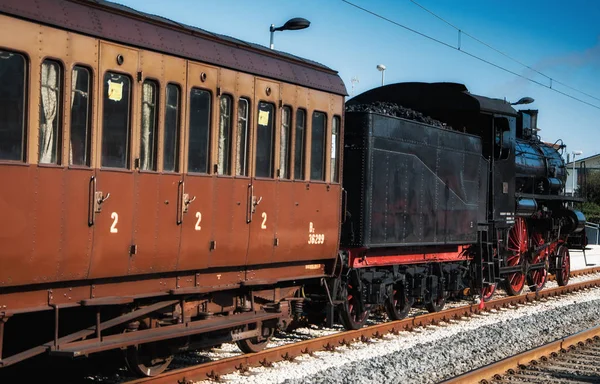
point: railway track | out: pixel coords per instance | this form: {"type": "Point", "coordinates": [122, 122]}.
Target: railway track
{"type": "Point", "coordinates": [575, 359]}
{"type": "Point", "coordinates": [214, 369]}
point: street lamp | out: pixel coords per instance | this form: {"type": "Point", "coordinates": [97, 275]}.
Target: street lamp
{"type": "Point", "coordinates": [290, 25]}
{"type": "Point", "coordinates": [523, 100]}
{"type": "Point", "coordinates": [575, 153]}
{"type": "Point", "coordinates": [381, 68]}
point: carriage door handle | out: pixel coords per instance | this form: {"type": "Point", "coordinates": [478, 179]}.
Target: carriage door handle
{"type": "Point", "coordinates": [255, 203]}
{"type": "Point", "coordinates": [187, 201]}
{"type": "Point", "coordinates": [99, 199]}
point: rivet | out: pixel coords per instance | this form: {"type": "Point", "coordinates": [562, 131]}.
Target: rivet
{"type": "Point", "coordinates": [120, 59]}
{"type": "Point", "coordinates": [203, 77]}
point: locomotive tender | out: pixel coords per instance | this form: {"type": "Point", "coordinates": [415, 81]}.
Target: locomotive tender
{"type": "Point", "coordinates": [165, 188]}
{"type": "Point", "coordinates": [435, 210]}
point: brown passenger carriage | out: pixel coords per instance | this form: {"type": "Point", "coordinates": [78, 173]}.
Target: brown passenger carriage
{"type": "Point", "coordinates": [155, 177]}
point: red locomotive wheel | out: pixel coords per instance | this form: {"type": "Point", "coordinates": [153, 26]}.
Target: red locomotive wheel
{"type": "Point", "coordinates": [398, 305]}
{"type": "Point", "coordinates": [563, 267]}
{"type": "Point", "coordinates": [488, 292]}
{"type": "Point", "coordinates": [350, 316]}
{"type": "Point", "coordinates": [536, 278]}
{"type": "Point", "coordinates": [517, 245]}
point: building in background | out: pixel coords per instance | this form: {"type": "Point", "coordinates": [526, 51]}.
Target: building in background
{"type": "Point", "coordinates": [583, 168]}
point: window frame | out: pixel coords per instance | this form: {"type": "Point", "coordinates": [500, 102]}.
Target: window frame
{"type": "Point", "coordinates": [60, 129]}
{"type": "Point", "coordinates": [178, 134]}
{"type": "Point", "coordinates": [288, 158]}
{"type": "Point", "coordinates": [272, 175]}
{"type": "Point", "coordinates": [228, 156]}
{"type": "Point", "coordinates": [324, 157]}
{"type": "Point", "coordinates": [157, 123]}
{"type": "Point", "coordinates": [248, 141]}
{"type": "Point", "coordinates": [25, 127]}
{"type": "Point", "coordinates": [335, 171]}
{"type": "Point", "coordinates": [209, 149]}
{"type": "Point", "coordinates": [128, 167]}
{"type": "Point", "coordinates": [90, 118]}
{"type": "Point", "coordinates": [303, 146]}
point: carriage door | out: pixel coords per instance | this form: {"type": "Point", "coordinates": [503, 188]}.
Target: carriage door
{"type": "Point", "coordinates": [158, 180]}
{"type": "Point", "coordinates": [113, 185]}
{"type": "Point", "coordinates": [262, 203]}
{"type": "Point", "coordinates": [197, 188]}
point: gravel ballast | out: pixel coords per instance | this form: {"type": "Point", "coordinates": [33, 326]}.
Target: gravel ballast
{"type": "Point", "coordinates": [435, 353]}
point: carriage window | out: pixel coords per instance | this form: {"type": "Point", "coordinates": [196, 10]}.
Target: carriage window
{"type": "Point", "coordinates": [284, 148]}
{"type": "Point", "coordinates": [115, 125]}
{"type": "Point", "coordinates": [12, 106]}
{"type": "Point", "coordinates": [335, 149]}
{"type": "Point", "coordinates": [317, 146]}
{"type": "Point", "coordinates": [79, 148]}
{"type": "Point", "coordinates": [171, 136]}
{"type": "Point", "coordinates": [224, 145]}
{"type": "Point", "coordinates": [241, 163]}
{"type": "Point", "coordinates": [199, 131]}
{"type": "Point", "coordinates": [300, 145]}
{"type": "Point", "coordinates": [264, 140]}
{"type": "Point", "coordinates": [50, 112]}
{"type": "Point", "coordinates": [148, 142]}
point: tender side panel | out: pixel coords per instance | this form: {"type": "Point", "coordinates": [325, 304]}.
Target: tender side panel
{"type": "Point", "coordinates": [421, 184]}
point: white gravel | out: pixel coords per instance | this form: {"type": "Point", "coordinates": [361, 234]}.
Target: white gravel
{"type": "Point", "coordinates": [434, 353]}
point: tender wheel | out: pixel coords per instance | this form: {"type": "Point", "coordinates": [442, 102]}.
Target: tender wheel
{"type": "Point", "coordinates": [256, 344]}
{"type": "Point", "coordinates": [517, 245]}
{"type": "Point", "coordinates": [436, 304]}
{"type": "Point", "coordinates": [398, 305]}
{"type": "Point", "coordinates": [353, 313]}
{"type": "Point", "coordinates": [536, 278]}
{"type": "Point", "coordinates": [563, 267]}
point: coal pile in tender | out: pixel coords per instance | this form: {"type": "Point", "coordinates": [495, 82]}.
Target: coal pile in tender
{"type": "Point", "coordinates": [391, 109]}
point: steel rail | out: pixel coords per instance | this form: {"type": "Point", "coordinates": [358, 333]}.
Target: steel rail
{"type": "Point", "coordinates": [215, 369]}
{"type": "Point", "coordinates": [494, 371]}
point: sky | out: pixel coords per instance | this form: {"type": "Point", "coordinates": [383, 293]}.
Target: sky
{"type": "Point", "coordinates": [559, 38]}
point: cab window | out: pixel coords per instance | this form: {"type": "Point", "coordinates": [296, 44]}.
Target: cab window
{"type": "Point", "coordinates": [50, 112]}
{"type": "Point", "coordinates": [115, 120]}
{"type": "Point", "coordinates": [502, 140]}
{"type": "Point", "coordinates": [199, 135]}
{"type": "Point", "coordinates": [264, 140]}
{"type": "Point", "coordinates": [317, 146]}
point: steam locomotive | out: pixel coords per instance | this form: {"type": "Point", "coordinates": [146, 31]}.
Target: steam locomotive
{"type": "Point", "coordinates": [165, 189]}
{"type": "Point", "coordinates": [438, 209]}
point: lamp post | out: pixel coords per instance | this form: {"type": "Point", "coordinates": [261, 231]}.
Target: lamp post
{"type": "Point", "coordinates": [575, 153]}
{"type": "Point", "coordinates": [291, 25]}
{"type": "Point", "coordinates": [381, 68]}
{"type": "Point", "coordinates": [523, 100]}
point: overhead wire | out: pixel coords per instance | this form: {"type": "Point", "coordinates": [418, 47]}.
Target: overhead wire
{"type": "Point", "coordinates": [471, 54]}
{"type": "Point", "coordinates": [552, 80]}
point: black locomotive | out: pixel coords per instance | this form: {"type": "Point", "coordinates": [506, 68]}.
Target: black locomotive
{"type": "Point", "coordinates": [450, 193]}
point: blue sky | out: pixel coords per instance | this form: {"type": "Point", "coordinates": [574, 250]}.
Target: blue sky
{"type": "Point", "coordinates": [556, 37]}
